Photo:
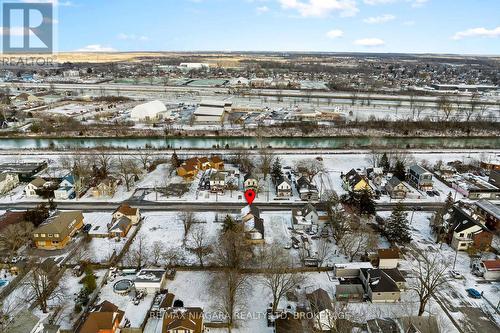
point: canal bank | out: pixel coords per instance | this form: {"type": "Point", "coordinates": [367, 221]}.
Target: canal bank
{"type": "Point", "coordinates": [345, 142]}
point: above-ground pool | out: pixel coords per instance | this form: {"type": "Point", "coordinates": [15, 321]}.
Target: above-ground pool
{"type": "Point", "coordinates": [123, 286]}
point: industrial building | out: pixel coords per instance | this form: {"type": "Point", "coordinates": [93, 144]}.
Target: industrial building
{"type": "Point", "coordinates": [212, 112]}
{"type": "Point", "coordinates": [151, 111]}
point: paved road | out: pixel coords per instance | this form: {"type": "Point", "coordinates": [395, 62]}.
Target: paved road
{"type": "Point", "coordinates": [195, 206]}
{"type": "Point", "coordinates": [218, 91]}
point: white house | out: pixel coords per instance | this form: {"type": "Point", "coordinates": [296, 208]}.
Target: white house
{"type": "Point", "coordinates": [133, 214]}
{"type": "Point", "coordinates": [464, 233]}
{"type": "Point", "coordinates": [33, 186]}
{"type": "Point", "coordinates": [150, 280]}
{"type": "Point", "coordinates": [151, 111]}
{"type": "Point", "coordinates": [8, 181]}
{"type": "Point", "coordinates": [305, 217]}
{"type": "Point", "coordinates": [251, 182]}
{"type": "Point", "coordinates": [66, 189]}
{"type": "Point", "coordinates": [388, 258]}
{"type": "Point", "coordinates": [283, 187]}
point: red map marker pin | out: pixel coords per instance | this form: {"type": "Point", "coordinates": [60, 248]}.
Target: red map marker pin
{"type": "Point", "coordinates": [250, 196]}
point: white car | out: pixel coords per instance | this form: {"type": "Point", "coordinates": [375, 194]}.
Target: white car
{"type": "Point", "coordinates": [456, 275]}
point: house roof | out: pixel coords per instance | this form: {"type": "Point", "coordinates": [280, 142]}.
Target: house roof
{"type": "Point", "coordinates": [319, 300]}
{"type": "Point", "coordinates": [189, 167]}
{"type": "Point", "coordinates": [394, 181]}
{"type": "Point", "coordinates": [150, 275]}
{"type": "Point", "coordinates": [463, 221]}
{"type": "Point", "coordinates": [106, 306]}
{"type": "Point", "coordinates": [38, 182]}
{"type": "Point", "coordinates": [418, 169]}
{"type": "Point", "coordinates": [382, 325]}
{"type": "Point", "coordinates": [11, 218]}
{"type": "Point", "coordinates": [215, 159]}
{"type": "Point", "coordinates": [187, 318]}
{"type": "Point", "coordinates": [98, 321]}
{"type": "Point", "coordinates": [489, 207]}
{"type": "Point", "coordinates": [217, 176]}
{"type": "Point", "coordinates": [281, 180]}
{"type": "Point", "coordinates": [23, 322]}
{"type": "Point", "coordinates": [379, 280]}
{"type": "Point", "coordinates": [388, 253]}
{"type": "Point", "coordinates": [304, 183]}
{"type": "Point", "coordinates": [288, 324]}
{"type": "Point", "coordinates": [492, 265]}
{"type": "Point", "coordinates": [59, 224]}
{"type": "Point", "coordinates": [419, 324]}
{"type": "Point", "coordinates": [249, 175]}
{"type": "Point", "coordinates": [126, 210]}
{"type": "Point", "coordinates": [121, 224]}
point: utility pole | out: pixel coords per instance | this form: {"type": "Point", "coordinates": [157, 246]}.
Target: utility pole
{"type": "Point", "coordinates": [455, 260]}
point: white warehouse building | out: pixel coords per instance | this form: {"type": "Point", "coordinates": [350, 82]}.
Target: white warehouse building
{"type": "Point", "coordinates": [151, 111]}
{"type": "Point", "coordinates": [211, 112]}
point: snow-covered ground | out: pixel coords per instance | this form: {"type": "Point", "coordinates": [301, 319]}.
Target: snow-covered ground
{"type": "Point", "coordinates": [454, 294]}
{"type": "Point", "coordinates": [334, 165]}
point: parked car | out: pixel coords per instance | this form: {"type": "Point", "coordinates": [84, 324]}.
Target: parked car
{"type": "Point", "coordinates": [456, 275]}
{"type": "Point", "coordinates": [473, 293]}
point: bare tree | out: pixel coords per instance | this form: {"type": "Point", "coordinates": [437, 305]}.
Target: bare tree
{"type": "Point", "coordinates": [172, 256]}
{"type": "Point", "coordinates": [357, 240]}
{"type": "Point", "coordinates": [14, 236]}
{"type": "Point", "coordinates": [429, 274]}
{"type": "Point", "coordinates": [188, 218]}
{"type": "Point", "coordinates": [265, 161]}
{"type": "Point", "coordinates": [199, 244]}
{"type": "Point", "coordinates": [144, 159]}
{"type": "Point", "coordinates": [324, 250]}
{"type": "Point", "coordinates": [104, 162]}
{"type": "Point", "coordinates": [138, 253]}
{"type": "Point", "coordinates": [128, 171]}
{"type": "Point", "coordinates": [41, 287]}
{"type": "Point", "coordinates": [309, 167]}
{"type": "Point", "coordinates": [278, 275]}
{"type": "Point", "coordinates": [157, 250]}
{"type": "Point", "coordinates": [445, 106]}
{"type": "Point", "coordinates": [473, 106]}
{"type": "Point", "coordinates": [230, 290]}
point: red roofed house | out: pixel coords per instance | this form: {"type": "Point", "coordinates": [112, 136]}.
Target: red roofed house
{"type": "Point", "coordinates": [133, 214]}
{"type": "Point", "coordinates": [491, 269]}
{"type": "Point", "coordinates": [106, 319]}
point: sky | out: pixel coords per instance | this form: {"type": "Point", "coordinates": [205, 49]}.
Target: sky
{"type": "Point", "coordinates": [406, 26]}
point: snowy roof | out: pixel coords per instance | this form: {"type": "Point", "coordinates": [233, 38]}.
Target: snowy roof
{"type": "Point", "coordinates": [489, 207]}
{"type": "Point", "coordinates": [149, 275]}
{"type": "Point", "coordinates": [209, 111]}
{"type": "Point", "coordinates": [150, 109]}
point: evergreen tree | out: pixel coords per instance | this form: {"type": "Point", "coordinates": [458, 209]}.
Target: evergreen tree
{"type": "Point", "coordinates": [399, 170]}
{"type": "Point", "coordinates": [365, 201]}
{"type": "Point", "coordinates": [384, 163]}
{"type": "Point", "coordinates": [448, 204]}
{"type": "Point", "coordinates": [397, 228]}
{"type": "Point", "coordinates": [229, 224]}
{"type": "Point", "coordinates": [276, 171]}
{"type": "Point", "coordinates": [175, 160]}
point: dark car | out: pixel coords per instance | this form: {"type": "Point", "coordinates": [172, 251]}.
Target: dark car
{"type": "Point", "coordinates": [430, 193]}
{"type": "Point", "coordinates": [87, 227]}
